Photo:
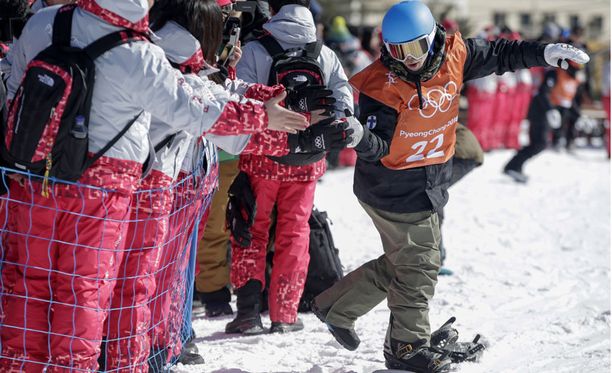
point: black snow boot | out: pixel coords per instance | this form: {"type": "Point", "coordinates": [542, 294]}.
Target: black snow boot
{"type": "Point", "coordinates": [285, 327]}
{"type": "Point", "coordinates": [216, 303]}
{"type": "Point", "coordinates": [516, 175]}
{"type": "Point", "coordinates": [102, 357]}
{"type": "Point", "coordinates": [346, 337]}
{"type": "Point", "coordinates": [190, 354]}
{"type": "Point", "coordinates": [415, 357]}
{"type": "Point", "coordinates": [248, 319]}
{"type": "Point", "coordinates": [157, 360]}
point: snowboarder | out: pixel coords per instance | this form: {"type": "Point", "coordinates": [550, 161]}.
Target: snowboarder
{"type": "Point", "coordinates": [410, 101]}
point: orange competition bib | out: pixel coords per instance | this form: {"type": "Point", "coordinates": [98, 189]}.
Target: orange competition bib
{"type": "Point", "coordinates": [423, 136]}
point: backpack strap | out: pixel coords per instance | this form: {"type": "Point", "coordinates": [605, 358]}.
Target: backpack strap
{"type": "Point", "coordinates": [112, 40]}
{"type": "Point", "coordinates": [164, 142]}
{"type": "Point", "coordinates": [101, 152]}
{"type": "Point", "coordinates": [313, 50]}
{"type": "Point", "coordinates": [62, 25]}
{"type": "Point", "coordinates": [272, 46]}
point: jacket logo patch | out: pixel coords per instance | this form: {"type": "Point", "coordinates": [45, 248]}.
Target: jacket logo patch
{"type": "Point", "coordinates": [392, 79]}
{"type": "Point", "coordinates": [439, 99]}
{"type": "Point", "coordinates": [371, 122]}
{"type": "Point", "coordinates": [319, 142]}
{"type": "Point", "coordinates": [46, 80]}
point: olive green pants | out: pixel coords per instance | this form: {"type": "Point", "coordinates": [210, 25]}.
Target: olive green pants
{"type": "Point", "coordinates": [406, 275]}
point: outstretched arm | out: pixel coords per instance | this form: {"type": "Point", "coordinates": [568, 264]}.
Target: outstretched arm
{"type": "Point", "coordinates": [499, 56]}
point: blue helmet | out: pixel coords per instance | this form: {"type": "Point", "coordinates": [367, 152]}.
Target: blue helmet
{"type": "Point", "coordinates": [407, 21]}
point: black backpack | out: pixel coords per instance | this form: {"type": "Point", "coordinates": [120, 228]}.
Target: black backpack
{"type": "Point", "coordinates": [293, 67]}
{"type": "Point", "coordinates": [325, 268]}
{"type": "Point", "coordinates": [46, 132]}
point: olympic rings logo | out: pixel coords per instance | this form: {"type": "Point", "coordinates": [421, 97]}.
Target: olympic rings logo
{"type": "Point", "coordinates": [437, 99]}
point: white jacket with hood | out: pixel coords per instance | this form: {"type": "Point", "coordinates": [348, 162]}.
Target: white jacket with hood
{"type": "Point", "coordinates": [293, 27]}
{"type": "Point", "coordinates": [130, 79]}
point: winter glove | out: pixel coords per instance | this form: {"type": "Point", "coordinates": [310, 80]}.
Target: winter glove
{"type": "Point", "coordinates": [557, 55]}
{"type": "Point", "coordinates": [553, 116]}
{"type": "Point", "coordinates": [305, 99]}
{"type": "Point", "coordinates": [357, 128]}
{"type": "Point", "coordinates": [241, 208]}
{"type": "Point", "coordinates": [326, 135]}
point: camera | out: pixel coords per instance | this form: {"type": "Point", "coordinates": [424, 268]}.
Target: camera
{"type": "Point", "coordinates": [13, 17]}
{"type": "Point", "coordinates": [11, 28]}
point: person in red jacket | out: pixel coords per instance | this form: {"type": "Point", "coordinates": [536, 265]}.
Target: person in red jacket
{"type": "Point", "coordinates": [287, 183]}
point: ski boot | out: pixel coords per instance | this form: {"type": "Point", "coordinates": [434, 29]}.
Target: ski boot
{"type": "Point", "coordinates": [248, 319]}
{"type": "Point", "coordinates": [416, 357]}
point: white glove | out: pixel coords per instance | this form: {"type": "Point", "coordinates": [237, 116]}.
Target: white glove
{"type": "Point", "coordinates": [557, 54]}
{"type": "Point", "coordinates": [357, 128]}
{"type": "Point", "coordinates": [553, 116]}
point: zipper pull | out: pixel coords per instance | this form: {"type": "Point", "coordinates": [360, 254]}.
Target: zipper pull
{"type": "Point", "coordinates": [45, 184]}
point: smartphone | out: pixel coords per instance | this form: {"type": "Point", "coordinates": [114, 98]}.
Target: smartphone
{"type": "Point", "coordinates": [228, 51]}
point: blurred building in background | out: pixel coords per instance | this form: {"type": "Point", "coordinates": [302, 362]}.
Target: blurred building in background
{"type": "Point", "coordinates": [527, 16]}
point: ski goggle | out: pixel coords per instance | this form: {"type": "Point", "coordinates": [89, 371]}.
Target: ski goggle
{"type": "Point", "coordinates": [416, 49]}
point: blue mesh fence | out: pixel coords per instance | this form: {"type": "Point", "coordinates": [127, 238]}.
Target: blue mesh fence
{"type": "Point", "coordinates": [95, 279]}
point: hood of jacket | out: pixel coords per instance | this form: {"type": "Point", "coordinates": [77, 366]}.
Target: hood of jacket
{"type": "Point", "coordinates": [293, 24]}
{"type": "Point", "coordinates": [131, 14]}
{"type": "Point", "coordinates": [180, 47]}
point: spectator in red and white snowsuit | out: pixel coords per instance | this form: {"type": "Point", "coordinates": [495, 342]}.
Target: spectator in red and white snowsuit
{"type": "Point", "coordinates": [502, 108]}
{"type": "Point", "coordinates": [481, 108]}
{"type": "Point", "coordinates": [195, 190]}
{"type": "Point", "coordinates": [71, 251]}
{"type": "Point", "coordinates": [520, 103]}
{"type": "Point", "coordinates": [289, 188]}
{"type": "Point", "coordinates": [520, 106]}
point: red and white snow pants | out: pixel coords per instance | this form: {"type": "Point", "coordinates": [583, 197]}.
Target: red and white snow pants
{"type": "Point", "coordinates": [294, 202]}
{"type": "Point", "coordinates": [521, 101]}
{"type": "Point", "coordinates": [191, 195]}
{"type": "Point", "coordinates": [61, 259]}
{"type": "Point", "coordinates": [480, 116]}
{"type": "Point", "coordinates": [129, 321]}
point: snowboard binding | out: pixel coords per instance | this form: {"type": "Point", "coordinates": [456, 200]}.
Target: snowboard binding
{"type": "Point", "coordinates": [445, 341]}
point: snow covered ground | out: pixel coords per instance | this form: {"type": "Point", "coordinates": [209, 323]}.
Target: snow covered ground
{"type": "Point", "coordinates": [532, 274]}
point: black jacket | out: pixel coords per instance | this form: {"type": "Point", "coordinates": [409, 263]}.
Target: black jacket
{"type": "Point", "coordinates": [425, 188]}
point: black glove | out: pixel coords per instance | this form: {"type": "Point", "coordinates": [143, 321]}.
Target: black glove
{"type": "Point", "coordinates": [240, 213]}
{"type": "Point", "coordinates": [328, 134]}
{"type": "Point", "coordinates": [305, 99]}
